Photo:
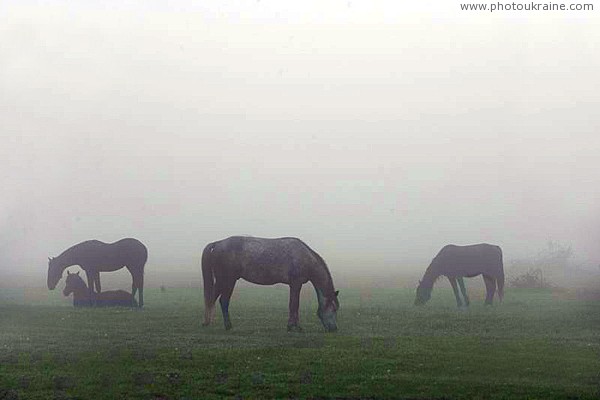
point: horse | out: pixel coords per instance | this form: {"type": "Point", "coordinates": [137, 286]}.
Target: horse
{"type": "Point", "coordinates": [267, 262]}
{"type": "Point", "coordinates": [456, 262]}
{"type": "Point", "coordinates": [114, 298]}
{"type": "Point", "coordinates": [94, 256]}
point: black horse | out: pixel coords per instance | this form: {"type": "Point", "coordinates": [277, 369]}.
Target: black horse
{"type": "Point", "coordinates": [266, 262]}
{"type": "Point", "coordinates": [94, 256]}
{"type": "Point", "coordinates": [456, 262]}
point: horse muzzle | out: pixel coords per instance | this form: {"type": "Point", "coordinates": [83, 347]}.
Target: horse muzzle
{"type": "Point", "coordinates": [52, 285]}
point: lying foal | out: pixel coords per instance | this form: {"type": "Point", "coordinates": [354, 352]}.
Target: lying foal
{"type": "Point", "coordinates": [81, 297]}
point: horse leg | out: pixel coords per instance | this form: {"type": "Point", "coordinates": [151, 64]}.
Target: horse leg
{"type": "Point", "coordinates": [224, 300]}
{"type": "Point", "coordinates": [137, 278]}
{"type": "Point", "coordinates": [490, 288]}
{"type": "Point", "coordinates": [463, 289]}
{"type": "Point", "coordinates": [90, 279]}
{"type": "Point", "coordinates": [97, 282]}
{"type": "Point", "coordinates": [455, 288]}
{"type": "Point", "coordinates": [212, 307]}
{"type": "Point", "coordinates": [209, 309]}
{"type": "Point", "coordinates": [293, 320]}
{"type": "Point", "coordinates": [138, 283]}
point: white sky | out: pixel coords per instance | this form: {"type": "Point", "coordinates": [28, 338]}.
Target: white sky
{"type": "Point", "coordinates": [377, 131]}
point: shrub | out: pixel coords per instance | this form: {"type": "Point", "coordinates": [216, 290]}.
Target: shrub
{"type": "Point", "coordinates": [532, 279]}
{"type": "Point", "coordinates": [551, 263]}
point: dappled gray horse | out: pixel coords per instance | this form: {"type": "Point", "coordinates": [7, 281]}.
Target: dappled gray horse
{"type": "Point", "coordinates": [266, 262]}
{"type": "Point", "coordinates": [457, 262]}
{"type": "Point", "coordinates": [94, 256]}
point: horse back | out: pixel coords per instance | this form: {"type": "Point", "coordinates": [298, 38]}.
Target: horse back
{"type": "Point", "coordinates": [111, 298]}
{"type": "Point", "coordinates": [470, 260]}
{"type": "Point", "coordinates": [125, 252]}
{"type": "Point", "coordinates": [263, 261]}
{"type": "Point", "coordinates": [114, 295]}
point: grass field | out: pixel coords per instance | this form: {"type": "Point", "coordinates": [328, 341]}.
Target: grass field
{"type": "Point", "coordinates": [534, 345]}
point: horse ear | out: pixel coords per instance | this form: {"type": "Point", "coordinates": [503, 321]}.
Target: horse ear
{"type": "Point", "coordinates": [49, 258]}
{"type": "Point", "coordinates": [77, 273]}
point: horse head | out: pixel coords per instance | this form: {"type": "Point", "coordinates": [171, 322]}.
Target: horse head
{"type": "Point", "coordinates": [327, 311]}
{"type": "Point", "coordinates": [54, 272]}
{"type": "Point", "coordinates": [73, 283]}
{"type": "Point", "coordinates": [423, 294]}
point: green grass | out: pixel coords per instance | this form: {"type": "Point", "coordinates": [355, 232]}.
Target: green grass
{"type": "Point", "coordinates": [532, 346]}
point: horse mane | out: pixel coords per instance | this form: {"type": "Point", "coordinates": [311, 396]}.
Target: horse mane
{"type": "Point", "coordinates": [430, 276]}
{"type": "Point", "coordinates": [321, 260]}
{"type": "Point", "coordinates": [75, 246]}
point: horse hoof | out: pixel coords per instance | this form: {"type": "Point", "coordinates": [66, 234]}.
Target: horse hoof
{"type": "Point", "coordinates": [228, 327]}
{"type": "Point", "coordinates": [294, 328]}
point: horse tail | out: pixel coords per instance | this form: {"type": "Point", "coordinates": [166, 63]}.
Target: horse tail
{"type": "Point", "coordinates": [208, 277]}
{"type": "Point", "coordinates": [501, 286]}
{"type": "Point", "coordinates": [501, 278]}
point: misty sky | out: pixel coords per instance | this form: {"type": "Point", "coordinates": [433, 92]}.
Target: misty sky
{"type": "Point", "coordinates": [377, 132]}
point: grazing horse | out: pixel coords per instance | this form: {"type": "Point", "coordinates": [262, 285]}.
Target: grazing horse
{"type": "Point", "coordinates": [94, 256]}
{"type": "Point", "coordinates": [266, 262]}
{"type": "Point", "coordinates": [114, 298]}
{"type": "Point", "coordinates": [456, 262]}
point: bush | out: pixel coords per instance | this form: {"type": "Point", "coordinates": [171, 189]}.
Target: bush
{"type": "Point", "coordinates": [532, 279]}
{"type": "Point", "coordinates": [552, 263]}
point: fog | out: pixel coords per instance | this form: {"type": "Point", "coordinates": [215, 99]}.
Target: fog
{"type": "Point", "coordinates": [376, 132]}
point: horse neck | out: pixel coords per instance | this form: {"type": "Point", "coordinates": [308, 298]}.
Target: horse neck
{"type": "Point", "coordinates": [322, 281]}
{"type": "Point", "coordinates": [431, 274]}
{"type": "Point", "coordinates": [80, 291]}
{"type": "Point", "coordinates": [66, 259]}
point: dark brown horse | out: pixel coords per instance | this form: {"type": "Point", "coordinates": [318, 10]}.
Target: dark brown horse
{"type": "Point", "coordinates": [94, 257]}
{"type": "Point", "coordinates": [456, 262]}
{"type": "Point", "coordinates": [266, 262]}
{"type": "Point", "coordinates": [81, 297]}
